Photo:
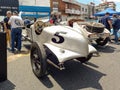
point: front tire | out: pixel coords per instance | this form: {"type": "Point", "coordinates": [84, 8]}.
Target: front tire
{"type": "Point", "coordinates": [102, 41]}
{"type": "Point", "coordinates": [38, 60]}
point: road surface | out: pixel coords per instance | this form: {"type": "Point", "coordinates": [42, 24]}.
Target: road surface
{"type": "Point", "coordinates": [100, 73]}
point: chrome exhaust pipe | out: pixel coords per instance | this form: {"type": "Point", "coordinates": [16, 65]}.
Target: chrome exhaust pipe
{"type": "Point", "coordinates": [60, 67]}
{"type": "Point", "coordinates": [50, 62]}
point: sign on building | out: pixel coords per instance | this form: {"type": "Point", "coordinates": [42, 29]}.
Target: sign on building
{"type": "Point", "coordinates": [45, 3]}
{"type": "Point", "coordinates": [5, 5]}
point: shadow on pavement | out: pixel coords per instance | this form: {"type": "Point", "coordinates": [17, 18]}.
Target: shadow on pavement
{"type": "Point", "coordinates": [24, 52]}
{"type": "Point", "coordinates": [7, 85]}
{"type": "Point", "coordinates": [75, 76]}
{"type": "Point", "coordinates": [27, 46]}
{"type": "Point", "coordinates": [105, 49]}
{"type": "Point", "coordinates": [46, 81]}
{"type": "Point", "coordinates": [91, 64]}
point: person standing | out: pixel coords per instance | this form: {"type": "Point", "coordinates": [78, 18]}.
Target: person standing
{"type": "Point", "coordinates": [116, 27]}
{"type": "Point", "coordinates": [7, 27]}
{"type": "Point", "coordinates": [59, 19]}
{"type": "Point", "coordinates": [107, 22]}
{"type": "Point", "coordinates": [35, 19]}
{"type": "Point", "coordinates": [27, 21]}
{"type": "Point", "coordinates": [16, 23]}
{"type": "Point", "coordinates": [51, 19]}
{"type": "Point", "coordinates": [54, 18]}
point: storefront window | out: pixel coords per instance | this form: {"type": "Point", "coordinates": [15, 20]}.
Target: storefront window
{"type": "Point", "coordinates": [55, 4]}
{"type": "Point", "coordinates": [82, 9]}
{"type": "Point", "coordinates": [66, 6]}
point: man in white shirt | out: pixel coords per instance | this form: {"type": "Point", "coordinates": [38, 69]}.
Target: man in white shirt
{"type": "Point", "coordinates": [16, 23]}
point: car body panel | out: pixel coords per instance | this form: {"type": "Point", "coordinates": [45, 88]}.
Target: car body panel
{"type": "Point", "coordinates": [89, 35]}
{"type": "Point", "coordinates": [65, 55]}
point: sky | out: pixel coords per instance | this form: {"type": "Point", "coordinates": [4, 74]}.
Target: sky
{"type": "Point", "coordinates": [117, 2]}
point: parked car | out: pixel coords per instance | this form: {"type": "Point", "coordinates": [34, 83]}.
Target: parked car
{"type": "Point", "coordinates": [95, 32]}
{"type": "Point", "coordinates": [56, 45]}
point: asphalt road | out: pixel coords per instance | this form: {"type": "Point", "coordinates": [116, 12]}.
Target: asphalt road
{"type": "Point", "coordinates": [100, 73]}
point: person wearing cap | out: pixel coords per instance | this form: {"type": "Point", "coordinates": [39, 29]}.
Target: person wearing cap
{"type": "Point", "coordinates": [7, 27]}
{"type": "Point", "coordinates": [16, 23]}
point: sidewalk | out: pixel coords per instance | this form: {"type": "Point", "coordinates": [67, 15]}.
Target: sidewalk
{"type": "Point", "coordinates": [16, 64]}
{"type": "Point", "coordinates": [24, 52]}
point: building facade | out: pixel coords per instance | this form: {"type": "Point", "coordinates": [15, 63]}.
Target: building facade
{"type": "Point", "coordinates": [67, 8]}
{"type": "Point", "coordinates": [84, 10]}
{"type": "Point", "coordinates": [105, 5]}
{"type": "Point", "coordinates": [91, 10]}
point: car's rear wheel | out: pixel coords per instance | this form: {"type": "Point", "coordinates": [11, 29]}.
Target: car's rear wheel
{"type": "Point", "coordinates": [102, 41]}
{"type": "Point", "coordinates": [38, 60]}
{"type": "Point", "coordinates": [83, 59]}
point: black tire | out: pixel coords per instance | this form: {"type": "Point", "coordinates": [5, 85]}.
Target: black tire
{"type": "Point", "coordinates": [84, 60]}
{"type": "Point", "coordinates": [38, 60]}
{"type": "Point", "coordinates": [102, 41]}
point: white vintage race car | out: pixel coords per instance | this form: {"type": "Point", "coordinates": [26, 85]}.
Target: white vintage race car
{"type": "Point", "coordinates": [92, 30]}
{"type": "Point", "coordinates": [56, 45]}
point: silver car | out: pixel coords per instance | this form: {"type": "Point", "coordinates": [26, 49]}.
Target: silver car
{"type": "Point", "coordinates": [93, 31]}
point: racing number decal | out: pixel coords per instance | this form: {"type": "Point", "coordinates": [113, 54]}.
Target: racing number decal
{"type": "Point", "coordinates": [61, 39]}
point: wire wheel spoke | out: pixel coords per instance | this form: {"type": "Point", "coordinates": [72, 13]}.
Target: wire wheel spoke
{"type": "Point", "coordinates": [36, 61]}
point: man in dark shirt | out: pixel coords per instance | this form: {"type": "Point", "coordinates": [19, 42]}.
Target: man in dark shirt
{"type": "Point", "coordinates": [107, 22]}
{"type": "Point", "coordinates": [116, 27]}
{"type": "Point", "coordinates": [7, 27]}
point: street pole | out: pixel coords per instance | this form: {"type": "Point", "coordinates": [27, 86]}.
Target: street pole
{"type": "Point", "coordinates": [35, 2]}
{"type": "Point", "coordinates": [93, 7]}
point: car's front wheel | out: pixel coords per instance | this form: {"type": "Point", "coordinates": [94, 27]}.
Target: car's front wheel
{"type": "Point", "coordinates": [38, 60]}
{"type": "Point", "coordinates": [102, 41]}
{"type": "Point", "coordinates": [83, 59]}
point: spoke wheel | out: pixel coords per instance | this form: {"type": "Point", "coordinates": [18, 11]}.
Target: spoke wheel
{"type": "Point", "coordinates": [38, 60]}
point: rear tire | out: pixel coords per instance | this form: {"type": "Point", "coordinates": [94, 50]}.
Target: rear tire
{"type": "Point", "coordinates": [38, 59]}
{"type": "Point", "coordinates": [102, 41]}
